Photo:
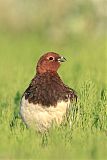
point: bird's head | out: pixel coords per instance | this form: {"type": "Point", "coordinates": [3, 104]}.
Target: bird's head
{"type": "Point", "coordinates": [49, 62]}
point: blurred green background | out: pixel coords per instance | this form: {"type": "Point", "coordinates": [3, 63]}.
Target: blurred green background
{"type": "Point", "coordinates": [76, 30]}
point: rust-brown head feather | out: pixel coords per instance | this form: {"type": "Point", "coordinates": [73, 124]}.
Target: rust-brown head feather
{"type": "Point", "coordinates": [49, 62]}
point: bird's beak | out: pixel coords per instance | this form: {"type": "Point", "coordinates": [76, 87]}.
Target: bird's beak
{"type": "Point", "coordinates": [61, 59]}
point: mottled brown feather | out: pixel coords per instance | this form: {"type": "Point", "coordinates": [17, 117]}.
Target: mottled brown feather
{"type": "Point", "coordinates": [47, 89]}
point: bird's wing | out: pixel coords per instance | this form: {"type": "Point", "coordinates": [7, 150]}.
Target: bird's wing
{"type": "Point", "coordinates": [71, 94]}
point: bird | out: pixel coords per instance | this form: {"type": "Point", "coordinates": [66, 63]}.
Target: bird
{"type": "Point", "coordinates": [47, 98]}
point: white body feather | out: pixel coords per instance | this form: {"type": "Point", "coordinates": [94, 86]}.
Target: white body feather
{"type": "Point", "coordinates": [41, 117]}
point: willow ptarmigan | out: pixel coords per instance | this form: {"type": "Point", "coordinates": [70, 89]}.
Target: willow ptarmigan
{"type": "Point", "coordinates": [47, 98]}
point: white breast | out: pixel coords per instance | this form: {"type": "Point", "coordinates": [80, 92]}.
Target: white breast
{"type": "Point", "coordinates": [41, 117]}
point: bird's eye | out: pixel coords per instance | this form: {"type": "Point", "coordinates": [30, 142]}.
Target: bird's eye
{"type": "Point", "coordinates": [51, 58]}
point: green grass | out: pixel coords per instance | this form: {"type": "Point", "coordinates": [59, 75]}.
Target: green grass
{"type": "Point", "coordinates": [85, 71]}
